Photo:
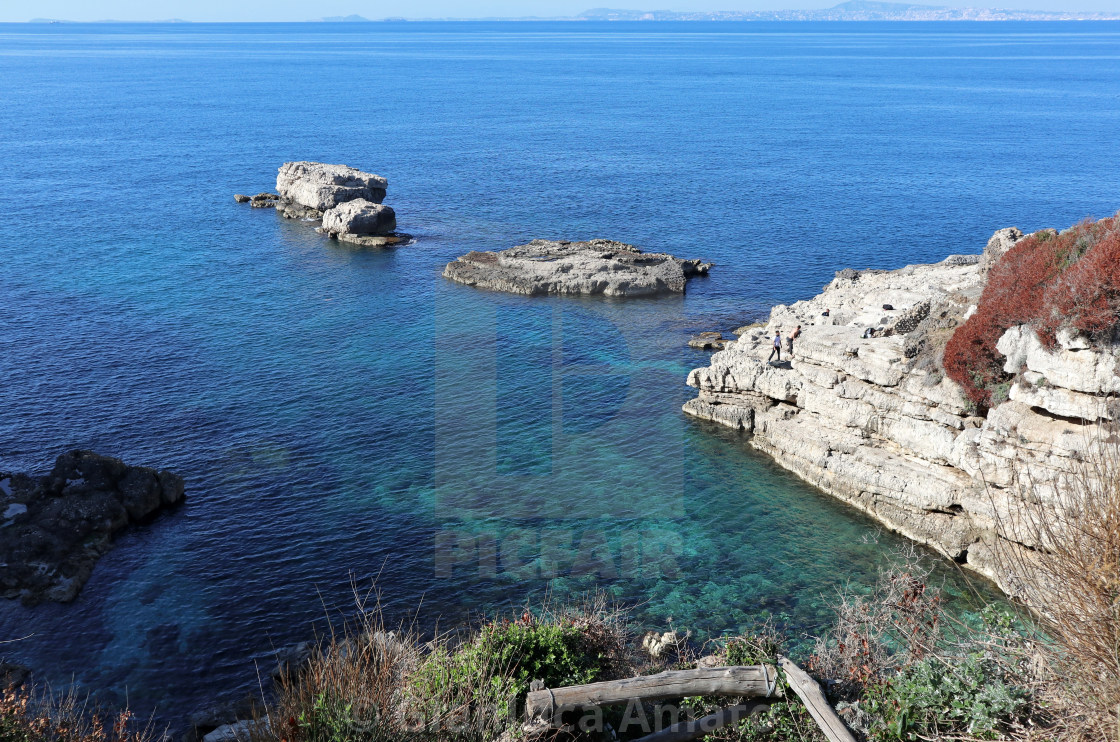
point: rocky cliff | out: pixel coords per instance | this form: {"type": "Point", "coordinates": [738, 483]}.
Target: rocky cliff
{"type": "Point", "coordinates": [863, 411]}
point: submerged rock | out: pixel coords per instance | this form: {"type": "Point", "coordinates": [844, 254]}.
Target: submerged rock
{"type": "Point", "coordinates": [320, 186]}
{"type": "Point", "coordinates": [56, 527]}
{"type": "Point", "coordinates": [595, 267]}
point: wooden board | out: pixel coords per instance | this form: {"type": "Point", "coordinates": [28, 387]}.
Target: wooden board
{"type": "Point", "coordinates": [813, 697]}
{"type": "Point", "coordinates": [753, 681]}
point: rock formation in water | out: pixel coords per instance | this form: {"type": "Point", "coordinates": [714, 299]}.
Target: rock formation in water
{"type": "Point", "coordinates": [864, 411]}
{"type": "Point", "coordinates": [346, 200]}
{"type": "Point", "coordinates": [596, 267]}
{"type": "Point", "coordinates": [316, 185]}
{"type": "Point", "coordinates": [56, 527]}
{"type": "Point", "coordinates": [709, 341]}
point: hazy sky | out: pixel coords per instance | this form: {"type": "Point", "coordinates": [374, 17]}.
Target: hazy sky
{"type": "Point", "coordinates": [302, 10]}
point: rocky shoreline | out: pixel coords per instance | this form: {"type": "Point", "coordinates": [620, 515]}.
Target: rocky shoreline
{"type": "Point", "coordinates": [595, 267]}
{"type": "Point", "coordinates": [57, 526]}
{"type": "Point", "coordinates": [863, 410]}
{"type": "Point", "coordinates": [346, 201]}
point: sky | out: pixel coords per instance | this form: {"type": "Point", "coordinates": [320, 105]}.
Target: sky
{"type": "Point", "coordinates": [304, 10]}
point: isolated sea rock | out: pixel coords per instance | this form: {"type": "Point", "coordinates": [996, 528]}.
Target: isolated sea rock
{"type": "Point", "coordinates": [603, 267]}
{"type": "Point", "coordinates": [319, 186]}
{"type": "Point", "coordinates": [57, 526]}
{"type": "Point", "coordinates": [873, 420]}
{"type": "Point", "coordinates": [345, 200]}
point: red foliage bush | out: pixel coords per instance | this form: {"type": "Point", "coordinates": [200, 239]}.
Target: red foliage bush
{"type": "Point", "coordinates": [1049, 281]}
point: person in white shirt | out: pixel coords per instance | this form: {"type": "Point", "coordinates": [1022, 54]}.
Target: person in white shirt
{"type": "Point", "coordinates": [777, 347]}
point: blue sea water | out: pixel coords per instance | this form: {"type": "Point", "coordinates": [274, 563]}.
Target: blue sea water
{"type": "Point", "coordinates": [344, 415]}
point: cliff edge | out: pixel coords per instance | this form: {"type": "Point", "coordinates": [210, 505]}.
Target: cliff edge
{"type": "Point", "coordinates": [864, 410]}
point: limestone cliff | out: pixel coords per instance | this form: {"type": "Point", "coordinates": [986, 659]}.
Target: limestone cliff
{"type": "Point", "coordinates": [873, 420]}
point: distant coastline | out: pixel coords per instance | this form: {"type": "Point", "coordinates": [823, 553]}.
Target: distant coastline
{"type": "Point", "coordinates": [853, 10]}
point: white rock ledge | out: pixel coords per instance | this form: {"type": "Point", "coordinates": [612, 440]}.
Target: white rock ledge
{"type": "Point", "coordinates": [873, 422]}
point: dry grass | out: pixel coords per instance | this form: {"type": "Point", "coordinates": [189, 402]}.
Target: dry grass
{"type": "Point", "coordinates": [368, 682]}
{"type": "Point", "coordinates": [41, 716]}
{"type": "Point", "coordinates": [900, 622]}
{"type": "Point", "coordinates": [371, 683]}
{"type": "Point", "coordinates": [1071, 581]}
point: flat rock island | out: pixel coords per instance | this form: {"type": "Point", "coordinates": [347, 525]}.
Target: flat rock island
{"type": "Point", "coordinates": [546, 267]}
{"type": "Point", "coordinates": [346, 201]}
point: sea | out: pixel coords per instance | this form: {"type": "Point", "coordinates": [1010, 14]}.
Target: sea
{"type": "Point", "coordinates": [354, 428]}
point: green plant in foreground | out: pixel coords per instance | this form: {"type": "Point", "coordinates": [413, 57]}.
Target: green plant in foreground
{"type": "Point", "coordinates": [785, 721]}
{"type": "Point", "coordinates": [936, 698]}
{"type": "Point", "coordinates": [754, 648]}
{"type": "Point", "coordinates": [330, 719]}
{"type": "Point", "coordinates": [558, 653]}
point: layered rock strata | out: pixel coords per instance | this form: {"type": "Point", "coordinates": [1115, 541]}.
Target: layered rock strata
{"type": "Point", "coordinates": [56, 527]}
{"type": "Point", "coordinates": [345, 200]}
{"type": "Point", "coordinates": [602, 267]}
{"type": "Point", "coordinates": [863, 411]}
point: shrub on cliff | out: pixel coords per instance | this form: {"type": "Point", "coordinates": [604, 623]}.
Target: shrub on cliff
{"type": "Point", "coordinates": [1049, 281]}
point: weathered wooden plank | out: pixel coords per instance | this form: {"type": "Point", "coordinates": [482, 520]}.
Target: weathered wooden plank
{"type": "Point", "coordinates": [689, 730]}
{"type": "Point", "coordinates": [752, 681]}
{"type": "Point", "coordinates": [813, 697]}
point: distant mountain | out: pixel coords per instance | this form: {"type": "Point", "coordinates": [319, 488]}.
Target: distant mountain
{"type": "Point", "coordinates": [346, 19]}
{"type": "Point", "coordinates": [853, 10]}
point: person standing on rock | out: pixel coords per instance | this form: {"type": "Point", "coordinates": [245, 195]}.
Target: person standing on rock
{"type": "Point", "coordinates": [777, 347]}
{"type": "Point", "coordinates": [790, 338]}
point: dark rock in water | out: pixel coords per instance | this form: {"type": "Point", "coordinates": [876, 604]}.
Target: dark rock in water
{"type": "Point", "coordinates": [889, 307]}
{"type": "Point", "coordinates": [373, 240]}
{"type": "Point", "coordinates": [56, 527]}
{"type": "Point", "coordinates": [601, 267]}
{"type": "Point", "coordinates": [264, 201]}
{"type": "Point", "coordinates": [292, 660]}
{"type": "Point", "coordinates": [13, 675]}
{"type": "Point", "coordinates": [241, 198]}
{"type": "Point", "coordinates": [709, 341]}
{"type": "Point", "coordinates": [292, 210]}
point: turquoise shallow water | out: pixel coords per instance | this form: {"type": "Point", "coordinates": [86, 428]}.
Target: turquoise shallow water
{"type": "Point", "coordinates": [341, 415]}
